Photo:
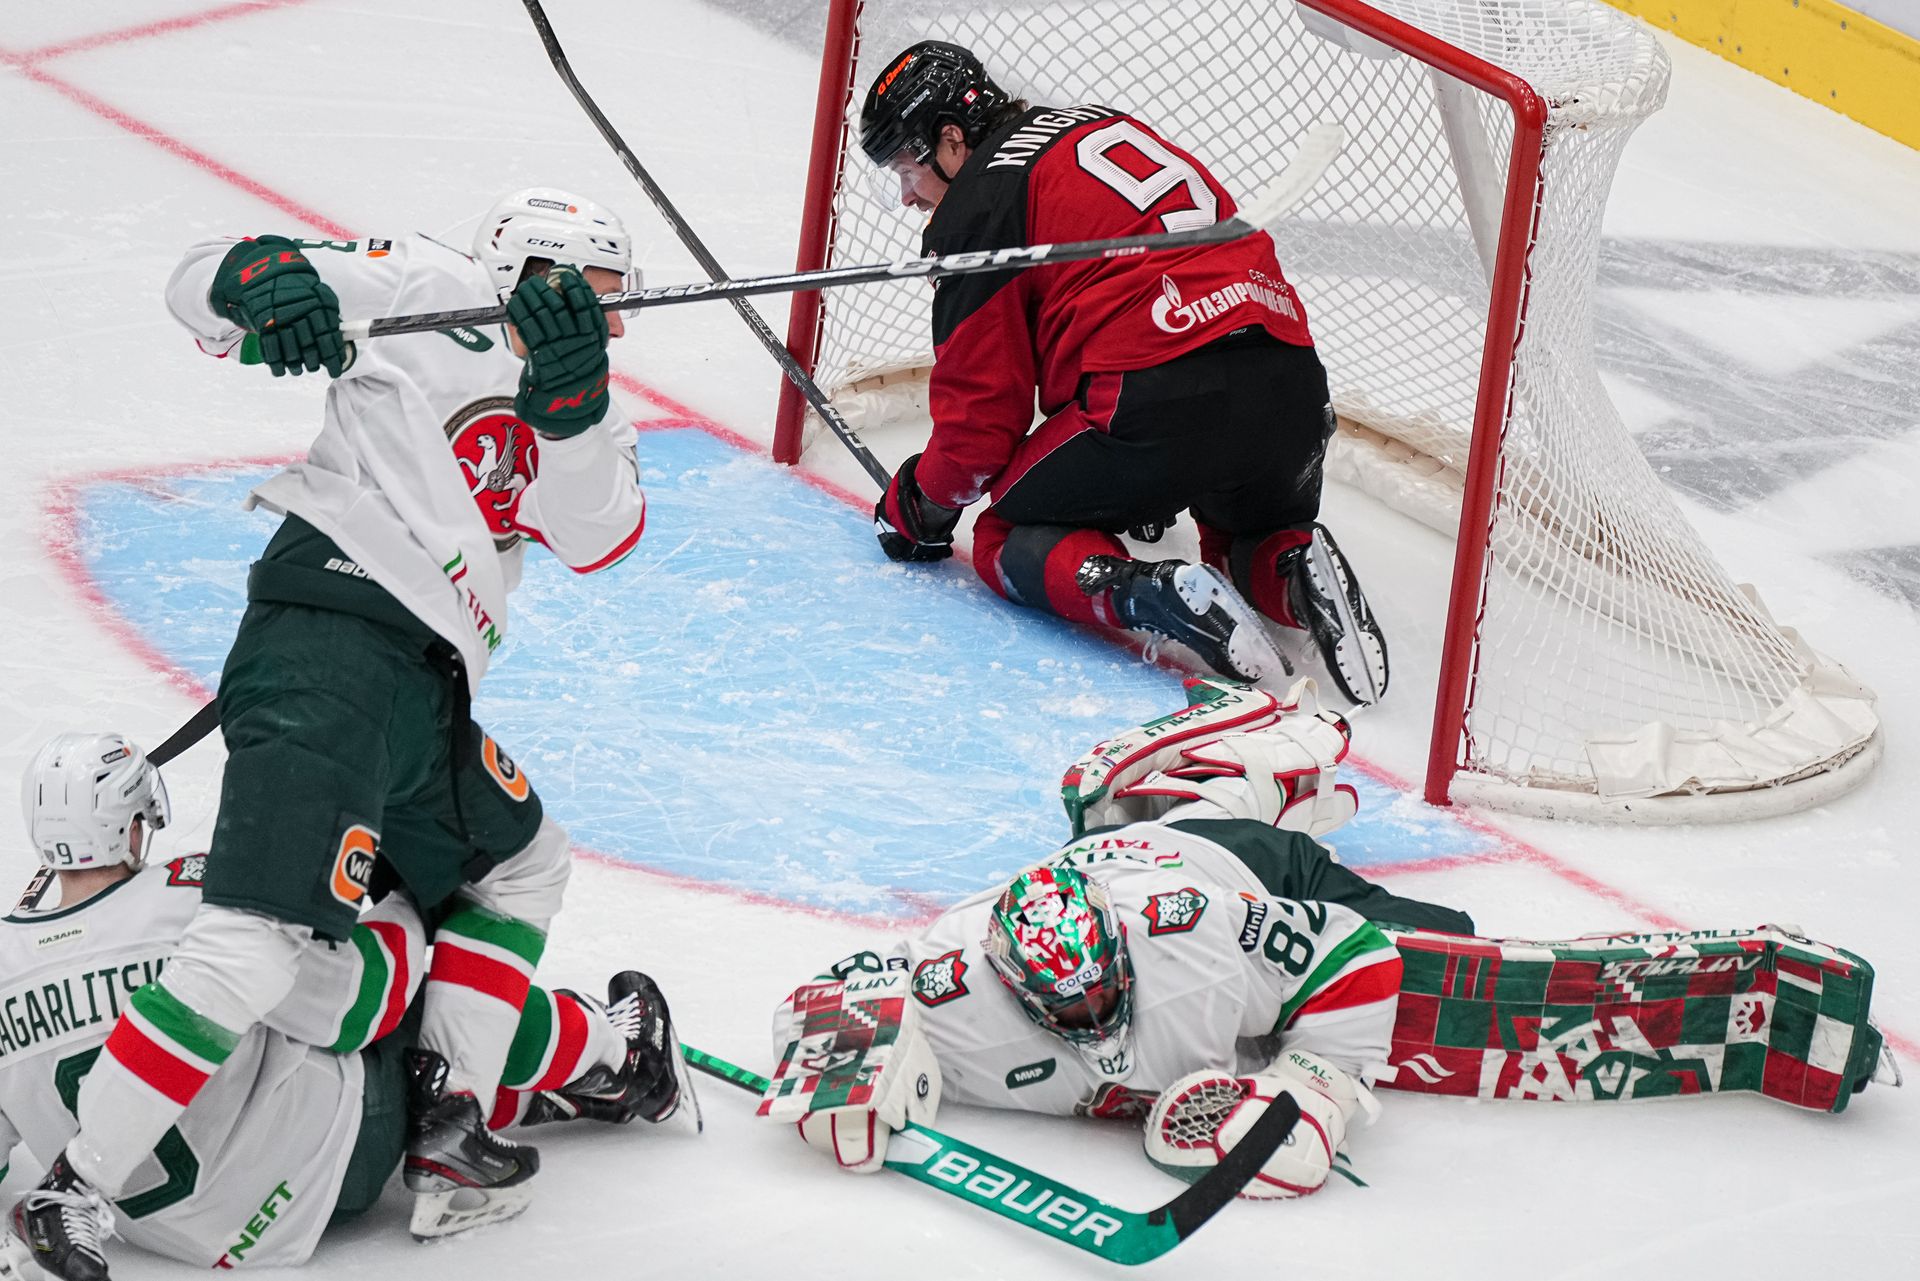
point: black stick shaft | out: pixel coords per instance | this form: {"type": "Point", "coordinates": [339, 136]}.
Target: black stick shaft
{"type": "Point", "coordinates": [933, 268]}
{"type": "Point", "coordinates": [708, 263]}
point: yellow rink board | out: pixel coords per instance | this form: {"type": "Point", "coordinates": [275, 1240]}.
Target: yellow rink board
{"type": "Point", "coordinates": [1818, 49]}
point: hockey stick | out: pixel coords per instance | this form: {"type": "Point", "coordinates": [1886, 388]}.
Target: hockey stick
{"type": "Point", "coordinates": [1064, 1213]}
{"type": "Point", "coordinates": [1318, 148]}
{"type": "Point", "coordinates": [935, 268]}
{"type": "Point", "coordinates": [708, 263]}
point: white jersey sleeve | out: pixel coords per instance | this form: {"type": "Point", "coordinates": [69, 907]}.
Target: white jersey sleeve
{"type": "Point", "coordinates": [251, 1172]}
{"type": "Point", "coordinates": [421, 472]}
{"type": "Point", "coordinates": [1222, 977]}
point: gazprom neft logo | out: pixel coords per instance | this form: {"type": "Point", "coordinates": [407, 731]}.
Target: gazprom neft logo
{"type": "Point", "coordinates": [1030, 1074]}
{"type": "Point", "coordinates": [1175, 315]}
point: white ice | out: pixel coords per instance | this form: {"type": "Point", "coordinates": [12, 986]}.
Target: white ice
{"type": "Point", "coordinates": [414, 116]}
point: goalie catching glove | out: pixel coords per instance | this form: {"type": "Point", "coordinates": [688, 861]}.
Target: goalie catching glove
{"type": "Point", "coordinates": [1199, 1118]}
{"type": "Point", "coordinates": [563, 389]}
{"type": "Point", "coordinates": [1234, 752]}
{"type": "Point", "coordinates": [854, 1069]}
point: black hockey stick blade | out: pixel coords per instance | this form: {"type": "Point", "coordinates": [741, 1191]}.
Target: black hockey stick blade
{"type": "Point", "coordinates": [1035, 1201]}
{"type": "Point", "coordinates": [933, 267]}
{"type": "Point", "coordinates": [1221, 1184]}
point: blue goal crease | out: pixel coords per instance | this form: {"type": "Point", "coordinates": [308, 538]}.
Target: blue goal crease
{"type": "Point", "coordinates": [754, 697]}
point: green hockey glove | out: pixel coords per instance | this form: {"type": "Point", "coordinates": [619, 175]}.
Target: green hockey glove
{"type": "Point", "coordinates": [563, 389]}
{"type": "Point", "coordinates": [268, 288]}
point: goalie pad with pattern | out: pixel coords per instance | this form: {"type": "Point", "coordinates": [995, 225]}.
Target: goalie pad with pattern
{"type": "Point", "coordinates": [1234, 752]}
{"type": "Point", "coordinates": [855, 1068]}
{"type": "Point", "coordinates": [1635, 1016]}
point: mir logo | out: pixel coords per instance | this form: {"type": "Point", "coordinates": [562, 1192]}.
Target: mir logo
{"type": "Point", "coordinates": [1061, 1215]}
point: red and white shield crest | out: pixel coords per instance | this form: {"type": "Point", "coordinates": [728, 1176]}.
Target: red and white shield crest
{"type": "Point", "coordinates": [499, 456]}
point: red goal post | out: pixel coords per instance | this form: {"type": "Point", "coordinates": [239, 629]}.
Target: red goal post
{"type": "Point", "coordinates": [1597, 662]}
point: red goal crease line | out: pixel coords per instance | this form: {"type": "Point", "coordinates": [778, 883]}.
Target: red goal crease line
{"type": "Point", "coordinates": [682, 414]}
{"type": "Point", "coordinates": [146, 30]}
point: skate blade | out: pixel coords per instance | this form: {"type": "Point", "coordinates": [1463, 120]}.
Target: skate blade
{"type": "Point", "coordinates": [444, 1214]}
{"type": "Point", "coordinates": [1249, 649]}
{"type": "Point", "coordinates": [1357, 659]}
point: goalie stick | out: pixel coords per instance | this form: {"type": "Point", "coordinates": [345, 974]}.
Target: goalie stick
{"type": "Point", "coordinates": [708, 263]}
{"type": "Point", "coordinates": [1064, 1213]}
{"type": "Point", "coordinates": [1318, 148]}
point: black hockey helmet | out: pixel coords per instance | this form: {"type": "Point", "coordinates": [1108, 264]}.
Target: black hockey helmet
{"type": "Point", "coordinates": [929, 85]}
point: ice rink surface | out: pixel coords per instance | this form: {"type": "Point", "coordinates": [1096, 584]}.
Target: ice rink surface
{"type": "Point", "coordinates": [773, 747]}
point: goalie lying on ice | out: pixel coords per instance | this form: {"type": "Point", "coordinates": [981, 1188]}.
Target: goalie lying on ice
{"type": "Point", "coordinates": [1194, 953]}
{"type": "Point", "coordinates": [1208, 953]}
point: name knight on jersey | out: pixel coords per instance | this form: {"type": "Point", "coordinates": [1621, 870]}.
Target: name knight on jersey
{"type": "Point", "coordinates": [1031, 138]}
{"type": "Point", "coordinates": [53, 1010]}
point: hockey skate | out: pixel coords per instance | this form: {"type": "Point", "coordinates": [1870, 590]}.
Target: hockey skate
{"type": "Point", "coordinates": [652, 1081]}
{"type": "Point", "coordinates": [1192, 604]}
{"type": "Point", "coordinates": [462, 1174]}
{"type": "Point", "coordinates": [1325, 599]}
{"type": "Point", "coordinates": [57, 1229]}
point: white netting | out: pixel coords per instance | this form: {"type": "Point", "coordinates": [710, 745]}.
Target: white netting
{"type": "Point", "coordinates": [1192, 1117]}
{"type": "Point", "coordinates": [1614, 654]}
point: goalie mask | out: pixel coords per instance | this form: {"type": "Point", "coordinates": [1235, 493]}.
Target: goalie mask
{"type": "Point", "coordinates": [1056, 941]}
{"type": "Point", "coordinates": [542, 222]}
{"type": "Point", "coordinates": [90, 800]}
{"type": "Point", "coordinates": [929, 85]}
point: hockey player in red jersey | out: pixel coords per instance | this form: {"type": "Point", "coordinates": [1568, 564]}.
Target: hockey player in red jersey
{"type": "Point", "coordinates": [311, 1103]}
{"type": "Point", "coordinates": [1182, 380]}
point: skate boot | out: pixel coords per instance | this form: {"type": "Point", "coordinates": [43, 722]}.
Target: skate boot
{"type": "Point", "coordinates": [59, 1225]}
{"type": "Point", "coordinates": [1192, 604]}
{"type": "Point", "coordinates": [462, 1173]}
{"type": "Point", "coordinates": [652, 1081]}
{"type": "Point", "coordinates": [1325, 599]}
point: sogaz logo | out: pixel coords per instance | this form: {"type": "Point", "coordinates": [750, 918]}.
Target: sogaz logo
{"type": "Point", "coordinates": [1030, 1074]}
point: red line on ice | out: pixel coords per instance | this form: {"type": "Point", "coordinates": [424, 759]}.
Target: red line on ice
{"type": "Point", "coordinates": [166, 26]}
{"type": "Point", "coordinates": [172, 145]}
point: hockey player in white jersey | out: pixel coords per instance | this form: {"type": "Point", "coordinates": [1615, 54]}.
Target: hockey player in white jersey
{"type": "Point", "coordinates": [306, 1119]}
{"type": "Point", "coordinates": [1188, 965]}
{"type": "Point", "coordinates": [370, 620]}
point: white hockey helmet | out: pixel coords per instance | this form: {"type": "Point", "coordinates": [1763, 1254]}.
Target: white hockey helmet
{"type": "Point", "coordinates": [81, 797]}
{"type": "Point", "coordinates": [543, 222]}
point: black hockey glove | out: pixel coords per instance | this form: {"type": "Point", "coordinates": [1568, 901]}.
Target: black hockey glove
{"type": "Point", "coordinates": [563, 389]}
{"type": "Point", "coordinates": [909, 525]}
{"type": "Point", "coordinates": [268, 288]}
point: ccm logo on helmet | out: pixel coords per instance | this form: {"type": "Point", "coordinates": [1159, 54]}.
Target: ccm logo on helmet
{"type": "Point", "coordinates": [353, 865]}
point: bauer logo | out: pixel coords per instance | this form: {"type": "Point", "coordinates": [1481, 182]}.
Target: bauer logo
{"type": "Point", "coordinates": [1031, 1074]}
{"type": "Point", "coordinates": [353, 865]}
{"type": "Point", "coordinates": [1018, 1198]}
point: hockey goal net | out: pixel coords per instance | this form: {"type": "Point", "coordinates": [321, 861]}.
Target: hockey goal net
{"type": "Point", "coordinates": [1598, 661]}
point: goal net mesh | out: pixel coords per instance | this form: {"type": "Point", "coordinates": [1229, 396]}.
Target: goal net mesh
{"type": "Point", "coordinates": [1606, 632]}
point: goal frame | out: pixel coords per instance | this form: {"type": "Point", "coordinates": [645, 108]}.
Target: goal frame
{"type": "Point", "coordinates": [1506, 316]}
{"type": "Point", "coordinates": [1449, 774]}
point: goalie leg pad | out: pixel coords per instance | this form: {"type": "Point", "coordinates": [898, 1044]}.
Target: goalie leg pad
{"type": "Point", "coordinates": [1234, 752]}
